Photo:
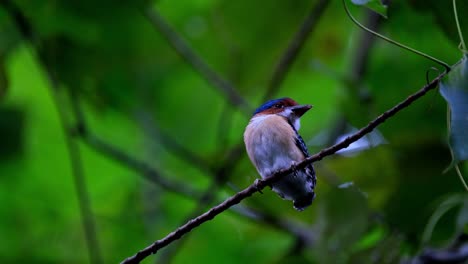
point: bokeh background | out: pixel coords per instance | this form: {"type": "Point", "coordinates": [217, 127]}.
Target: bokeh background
{"type": "Point", "coordinates": [125, 119]}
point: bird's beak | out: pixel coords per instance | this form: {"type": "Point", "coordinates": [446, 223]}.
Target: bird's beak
{"type": "Point", "coordinates": [299, 110]}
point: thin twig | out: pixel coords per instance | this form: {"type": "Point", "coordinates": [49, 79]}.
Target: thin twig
{"type": "Point", "coordinates": [29, 34]}
{"type": "Point", "coordinates": [189, 55]}
{"type": "Point", "coordinates": [294, 47]}
{"type": "Point", "coordinates": [261, 184]}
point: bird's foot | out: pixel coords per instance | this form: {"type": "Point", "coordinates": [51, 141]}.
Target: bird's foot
{"type": "Point", "coordinates": [256, 185]}
{"type": "Point", "coordinates": [294, 168]}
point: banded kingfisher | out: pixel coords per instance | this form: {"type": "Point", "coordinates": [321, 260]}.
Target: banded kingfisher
{"type": "Point", "coordinates": [273, 143]}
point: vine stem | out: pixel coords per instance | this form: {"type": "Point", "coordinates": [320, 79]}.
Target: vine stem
{"type": "Point", "coordinates": [460, 175]}
{"type": "Point", "coordinates": [437, 215]}
{"type": "Point", "coordinates": [455, 13]}
{"type": "Point", "coordinates": [447, 67]}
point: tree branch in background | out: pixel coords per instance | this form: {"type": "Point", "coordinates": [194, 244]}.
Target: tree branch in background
{"type": "Point", "coordinates": [261, 184]}
{"type": "Point", "coordinates": [295, 46]}
{"type": "Point", "coordinates": [29, 34]}
{"type": "Point", "coordinates": [183, 49]}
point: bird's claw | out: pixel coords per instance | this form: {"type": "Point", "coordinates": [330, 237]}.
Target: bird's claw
{"type": "Point", "coordinates": [256, 185]}
{"type": "Point", "coordinates": [294, 168]}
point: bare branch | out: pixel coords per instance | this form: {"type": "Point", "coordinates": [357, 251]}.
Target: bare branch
{"type": "Point", "coordinates": [183, 49]}
{"type": "Point", "coordinates": [295, 46]}
{"type": "Point", "coordinates": [261, 184]}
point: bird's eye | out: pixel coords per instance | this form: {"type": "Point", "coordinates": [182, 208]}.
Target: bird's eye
{"type": "Point", "coordinates": [278, 106]}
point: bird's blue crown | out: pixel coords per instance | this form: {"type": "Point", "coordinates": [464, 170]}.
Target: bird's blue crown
{"type": "Point", "coordinates": [268, 105]}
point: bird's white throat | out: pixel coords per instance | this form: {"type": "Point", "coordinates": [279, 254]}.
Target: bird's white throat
{"type": "Point", "coordinates": [292, 118]}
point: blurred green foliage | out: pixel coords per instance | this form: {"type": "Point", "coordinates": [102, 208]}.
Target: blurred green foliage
{"type": "Point", "coordinates": [133, 86]}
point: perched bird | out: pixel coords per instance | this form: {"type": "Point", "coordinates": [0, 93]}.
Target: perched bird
{"type": "Point", "coordinates": [272, 143]}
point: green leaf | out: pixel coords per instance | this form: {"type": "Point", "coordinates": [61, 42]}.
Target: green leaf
{"type": "Point", "coordinates": [374, 5]}
{"type": "Point", "coordinates": [454, 88]}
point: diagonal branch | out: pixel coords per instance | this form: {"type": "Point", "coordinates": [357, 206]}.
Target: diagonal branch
{"type": "Point", "coordinates": [189, 55]}
{"type": "Point", "coordinates": [261, 184]}
{"type": "Point", "coordinates": [295, 46]}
